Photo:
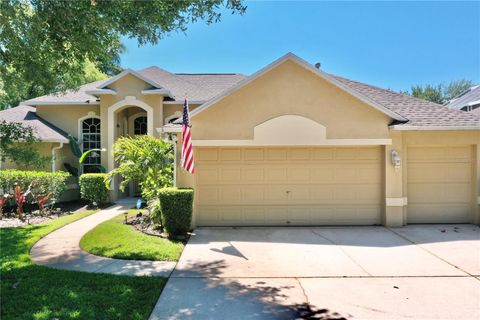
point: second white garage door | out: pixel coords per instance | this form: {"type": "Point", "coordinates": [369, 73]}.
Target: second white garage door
{"type": "Point", "coordinates": [288, 186]}
{"type": "Point", "coordinates": [439, 184]}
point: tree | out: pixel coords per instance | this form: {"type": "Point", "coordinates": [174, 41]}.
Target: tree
{"type": "Point", "coordinates": [441, 93]}
{"type": "Point", "coordinates": [46, 45]}
{"type": "Point", "coordinates": [146, 160]}
{"type": "Point", "coordinates": [456, 88]}
{"type": "Point", "coordinates": [16, 142]}
{"type": "Point", "coordinates": [429, 92]}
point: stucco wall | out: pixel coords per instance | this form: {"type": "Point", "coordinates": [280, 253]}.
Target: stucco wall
{"type": "Point", "coordinates": [44, 150]}
{"type": "Point", "coordinates": [290, 89]}
{"type": "Point", "coordinates": [66, 117]}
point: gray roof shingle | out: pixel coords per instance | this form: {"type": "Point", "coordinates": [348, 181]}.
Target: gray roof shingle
{"type": "Point", "coordinates": [43, 130]}
{"type": "Point", "coordinates": [419, 112]}
{"type": "Point", "coordinates": [203, 87]}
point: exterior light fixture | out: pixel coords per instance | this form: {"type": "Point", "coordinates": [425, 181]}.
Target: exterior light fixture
{"type": "Point", "coordinates": [396, 160]}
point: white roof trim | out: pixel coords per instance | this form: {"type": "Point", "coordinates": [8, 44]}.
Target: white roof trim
{"type": "Point", "coordinates": [473, 103]}
{"type": "Point", "coordinates": [163, 92]}
{"type": "Point", "coordinates": [182, 101]}
{"type": "Point", "coordinates": [64, 140]}
{"type": "Point", "coordinates": [308, 66]}
{"type": "Point", "coordinates": [95, 92]}
{"type": "Point", "coordinates": [47, 103]}
{"type": "Point", "coordinates": [432, 128]}
{"type": "Point", "coordinates": [168, 129]}
{"type": "Point", "coordinates": [126, 72]}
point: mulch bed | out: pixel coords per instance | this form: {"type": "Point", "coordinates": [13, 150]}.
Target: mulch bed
{"type": "Point", "coordinates": [34, 217]}
{"type": "Point", "coordinates": [141, 224]}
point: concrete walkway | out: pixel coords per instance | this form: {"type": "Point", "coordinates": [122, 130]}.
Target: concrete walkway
{"type": "Point", "coordinates": [60, 249]}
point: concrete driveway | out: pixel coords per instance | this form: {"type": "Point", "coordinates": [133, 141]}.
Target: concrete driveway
{"type": "Point", "coordinates": [420, 272]}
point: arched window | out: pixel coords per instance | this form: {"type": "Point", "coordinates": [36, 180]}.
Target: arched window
{"type": "Point", "coordinates": [140, 125]}
{"type": "Point", "coordinates": [91, 140]}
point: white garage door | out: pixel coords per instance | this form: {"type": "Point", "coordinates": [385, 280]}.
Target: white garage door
{"type": "Point", "coordinates": [439, 184]}
{"type": "Point", "coordinates": [288, 186]}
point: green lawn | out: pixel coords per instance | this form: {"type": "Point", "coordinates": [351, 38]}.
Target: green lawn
{"type": "Point", "coordinates": [115, 239]}
{"type": "Point", "coordinates": [29, 291]}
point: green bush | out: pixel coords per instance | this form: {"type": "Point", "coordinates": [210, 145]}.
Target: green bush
{"type": "Point", "coordinates": [93, 188]}
{"type": "Point", "coordinates": [176, 206]}
{"type": "Point", "coordinates": [42, 182]}
{"type": "Point", "coordinates": [155, 211]}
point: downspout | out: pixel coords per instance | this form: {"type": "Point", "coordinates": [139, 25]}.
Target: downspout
{"type": "Point", "coordinates": [53, 155]}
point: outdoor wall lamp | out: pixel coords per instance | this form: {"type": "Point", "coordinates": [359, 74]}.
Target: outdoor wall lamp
{"type": "Point", "coordinates": [396, 160]}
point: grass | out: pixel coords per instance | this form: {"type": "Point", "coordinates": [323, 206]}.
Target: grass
{"type": "Point", "coordinates": [115, 239]}
{"type": "Point", "coordinates": [29, 291]}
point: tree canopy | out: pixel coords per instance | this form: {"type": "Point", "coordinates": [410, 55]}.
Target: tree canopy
{"type": "Point", "coordinates": [440, 93]}
{"type": "Point", "coordinates": [50, 45]}
{"type": "Point", "coordinates": [16, 142]}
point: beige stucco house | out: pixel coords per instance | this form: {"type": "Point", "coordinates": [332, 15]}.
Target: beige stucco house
{"type": "Point", "coordinates": [288, 145]}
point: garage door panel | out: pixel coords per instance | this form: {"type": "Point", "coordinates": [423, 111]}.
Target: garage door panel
{"type": "Point", "coordinates": [322, 175]}
{"type": "Point", "coordinates": [207, 174]}
{"type": "Point", "coordinates": [230, 154]}
{"type": "Point", "coordinates": [438, 213]}
{"type": "Point", "coordinates": [231, 215]}
{"type": "Point", "coordinates": [276, 193]}
{"type": "Point", "coordinates": [276, 174]}
{"type": "Point", "coordinates": [439, 172]}
{"type": "Point", "coordinates": [254, 154]}
{"type": "Point", "coordinates": [298, 174]}
{"type": "Point", "coordinates": [439, 193]}
{"type": "Point", "coordinates": [253, 174]}
{"type": "Point", "coordinates": [206, 154]}
{"type": "Point", "coordinates": [207, 194]}
{"type": "Point", "coordinates": [254, 194]}
{"type": "Point", "coordinates": [230, 174]}
{"type": "Point", "coordinates": [439, 184]}
{"type": "Point", "coordinates": [288, 186]}
{"type": "Point", "coordinates": [230, 194]}
{"type": "Point", "coordinates": [276, 154]}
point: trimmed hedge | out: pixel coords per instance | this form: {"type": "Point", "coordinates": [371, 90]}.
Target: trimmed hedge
{"type": "Point", "coordinates": [176, 206]}
{"type": "Point", "coordinates": [93, 188]}
{"type": "Point", "coordinates": [42, 182]}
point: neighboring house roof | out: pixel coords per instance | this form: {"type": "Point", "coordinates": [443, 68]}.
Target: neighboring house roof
{"type": "Point", "coordinates": [43, 130]}
{"type": "Point", "coordinates": [410, 113]}
{"type": "Point", "coordinates": [476, 112]}
{"type": "Point", "coordinates": [467, 98]}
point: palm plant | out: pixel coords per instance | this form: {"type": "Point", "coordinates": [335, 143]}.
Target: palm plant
{"type": "Point", "coordinates": [144, 159]}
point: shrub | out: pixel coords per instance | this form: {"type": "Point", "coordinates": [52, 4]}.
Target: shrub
{"type": "Point", "coordinates": [93, 188]}
{"type": "Point", "coordinates": [155, 211]}
{"type": "Point", "coordinates": [42, 182]}
{"type": "Point", "coordinates": [176, 206]}
{"type": "Point", "coordinates": [146, 160]}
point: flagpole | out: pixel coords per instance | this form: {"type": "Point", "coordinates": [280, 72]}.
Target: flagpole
{"type": "Point", "coordinates": [175, 160]}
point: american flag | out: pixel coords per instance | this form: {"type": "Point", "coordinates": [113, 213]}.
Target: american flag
{"type": "Point", "coordinates": [187, 147]}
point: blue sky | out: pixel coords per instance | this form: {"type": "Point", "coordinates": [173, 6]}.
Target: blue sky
{"type": "Point", "coordinates": [389, 44]}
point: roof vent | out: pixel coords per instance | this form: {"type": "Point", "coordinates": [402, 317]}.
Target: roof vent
{"type": "Point", "coordinates": [317, 65]}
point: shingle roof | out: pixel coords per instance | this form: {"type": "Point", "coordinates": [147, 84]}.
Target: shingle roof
{"type": "Point", "coordinates": [476, 112]}
{"type": "Point", "coordinates": [71, 96]}
{"type": "Point", "coordinates": [43, 130]}
{"type": "Point", "coordinates": [203, 87]}
{"type": "Point", "coordinates": [419, 112]}
{"type": "Point", "coordinates": [471, 95]}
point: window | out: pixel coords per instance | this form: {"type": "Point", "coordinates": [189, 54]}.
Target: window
{"type": "Point", "coordinates": [140, 126]}
{"type": "Point", "coordinates": [91, 140]}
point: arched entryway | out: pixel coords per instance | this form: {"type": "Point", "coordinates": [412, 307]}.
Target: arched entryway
{"type": "Point", "coordinates": [126, 117]}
